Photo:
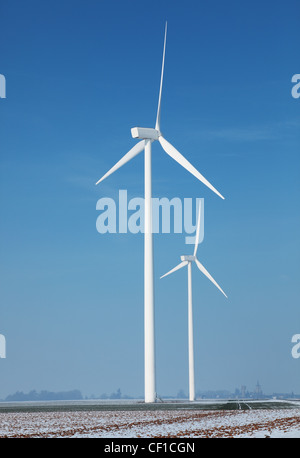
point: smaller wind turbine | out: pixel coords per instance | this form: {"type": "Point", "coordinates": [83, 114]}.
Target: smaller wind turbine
{"type": "Point", "coordinates": [187, 260]}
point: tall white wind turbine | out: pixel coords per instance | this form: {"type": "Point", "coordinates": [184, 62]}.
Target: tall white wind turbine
{"type": "Point", "coordinates": [147, 136]}
{"type": "Point", "coordinates": [187, 260]}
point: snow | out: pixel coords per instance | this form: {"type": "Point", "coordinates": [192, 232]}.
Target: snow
{"type": "Point", "coordinates": [260, 423]}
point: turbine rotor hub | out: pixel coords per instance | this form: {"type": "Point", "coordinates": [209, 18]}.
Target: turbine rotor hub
{"type": "Point", "coordinates": [187, 258]}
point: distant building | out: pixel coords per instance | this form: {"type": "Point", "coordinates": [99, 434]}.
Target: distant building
{"type": "Point", "coordinates": [243, 391]}
{"type": "Point", "coordinates": [258, 391]}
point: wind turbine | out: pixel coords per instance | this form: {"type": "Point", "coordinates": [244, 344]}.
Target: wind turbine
{"type": "Point", "coordinates": [147, 136]}
{"type": "Point", "coordinates": [187, 260]}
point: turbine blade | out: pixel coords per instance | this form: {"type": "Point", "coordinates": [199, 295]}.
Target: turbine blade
{"type": "Point", "coordinates": [171, 151]}
{"type": "Point", "coordinates": [182, 264]}
{"type": "Point", "coordinates": [207, 274]}
{"type": "Point", "coordinates": [198, 229]}
{"type": "Point", "coordinates": [128, 156]}
{"type": "Point", "coordinates": [157, 124]}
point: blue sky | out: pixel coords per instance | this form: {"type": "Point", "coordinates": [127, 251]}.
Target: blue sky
{"type": "Point", "coordinates": [79, 75]}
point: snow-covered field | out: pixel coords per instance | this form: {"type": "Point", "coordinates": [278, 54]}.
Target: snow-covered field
{"type": "Point", "coordinates": [152, 423]}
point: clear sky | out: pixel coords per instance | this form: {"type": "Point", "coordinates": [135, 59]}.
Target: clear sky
{"type": "Point", "coordinates": [79, 75]}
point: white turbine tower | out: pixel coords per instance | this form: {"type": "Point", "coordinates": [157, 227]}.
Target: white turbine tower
{"type": "Point", "coordinates": [187, 260]}
{"type": "Point", "coordinates": [147, 136]}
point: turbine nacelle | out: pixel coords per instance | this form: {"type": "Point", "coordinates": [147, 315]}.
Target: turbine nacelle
{"type": "Point", "coordinates": [145, 133]}
{"type": "Point", "coordinates": [188, 258]}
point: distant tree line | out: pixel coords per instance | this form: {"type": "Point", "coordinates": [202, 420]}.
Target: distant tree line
{"type": "Point", "coordinates": [44, 396]}
{"type": "Point", "coordinates": [115, 395]}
